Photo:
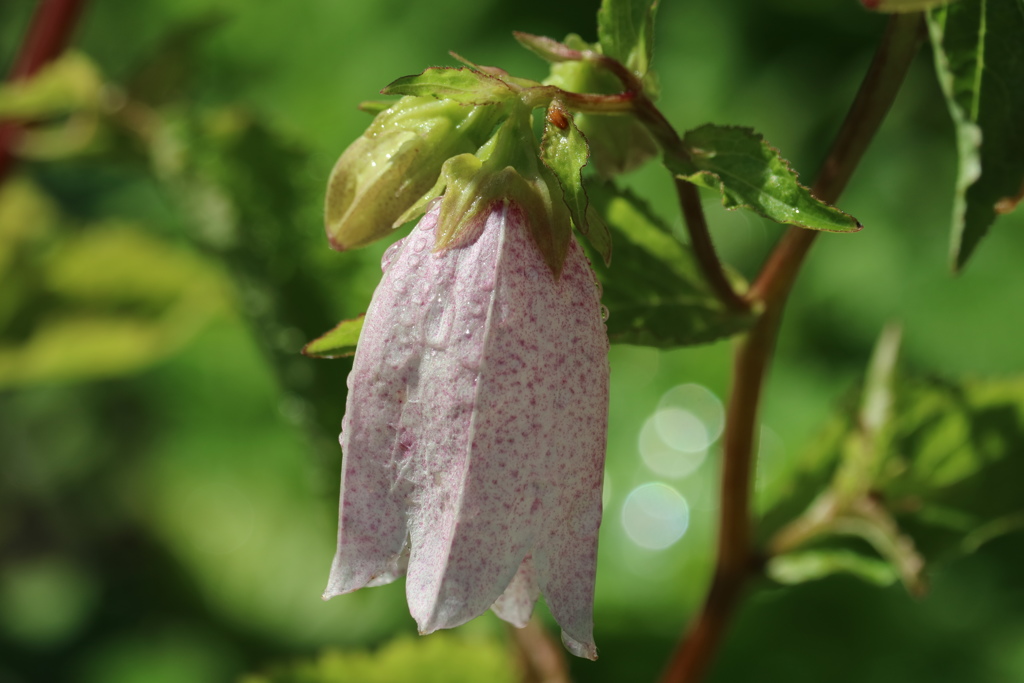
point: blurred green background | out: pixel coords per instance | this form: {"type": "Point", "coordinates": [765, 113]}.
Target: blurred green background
{"type": "Point", "coordinates": [168, 462]}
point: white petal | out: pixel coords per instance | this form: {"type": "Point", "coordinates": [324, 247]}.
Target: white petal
{"type": "Point", "coordinates": [516, 604]}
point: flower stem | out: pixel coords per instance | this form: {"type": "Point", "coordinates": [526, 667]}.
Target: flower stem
{"type": "Point", "coordinates": [737, 560]}
{"type": "Point", "coordinates": [51, 27]}
{"type": "Point", "coordinates": [704, 248]}
{"type": "Point", "coordinates": [541, 658]}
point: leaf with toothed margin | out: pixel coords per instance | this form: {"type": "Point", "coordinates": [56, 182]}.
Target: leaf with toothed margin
{"type": "Point", "coordinates": [565, 152]}
{"type": "Point", "coordinates": [979, 59]}
{"type": "Point", "coordinates": [339, 342]}
{"type": "Point", "coordinates": [751, 174]}
{"type": "Point", "coordinates": [464, 85]}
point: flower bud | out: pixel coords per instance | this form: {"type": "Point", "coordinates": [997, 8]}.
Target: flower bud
{"type": "Point", "coordinates": [395, 161]}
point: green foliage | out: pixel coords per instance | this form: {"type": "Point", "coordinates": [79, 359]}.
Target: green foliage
{"type": "Point", "coordinates": [656, 294]}
{"type": "Point", "coordinates": [564, 151]}
{"type": "Point", "coordinates": [618, 144]}
{"type": "Point", "coordinates": [751, 174]}
{"type": "Point", "coordinates": [340, 341]}
{"type": "Point", "coordinates": [65, 85]}
{"type": "Point", "coordinates": [925, 470]}
{"type": "Point", "coordinates": [625, 29]}
{"type": "Point", "coordinates": [438, 658]}
{"type": "Point", "coordinates": [104, 302]}
{"type": "Point", "coordinates": [979, 58]}
{"type": "Point", "coordinates": [464, 85]}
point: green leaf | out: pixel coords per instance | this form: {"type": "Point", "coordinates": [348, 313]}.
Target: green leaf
{"type": "Point", "coordinates": [979, 58]}
{"type": "Point", "coordinates": [464, 85]}
{"type": "Point", "coordinates": [655, 293]}
{"type": "Point", "coordinates": [811, 565]}
{"type": "Point", "coordinates": [625, 29]}
{"type": "Point", "coordinates": [339, 342]}
{"type": "Point", "coordinates": [67, 84]}
{"type": "Point", "coordinates": [564, 151]}
{"type": "Point", "coordinates": [751, 174]}
{"type": "Point", "coordinates": [437, 658]}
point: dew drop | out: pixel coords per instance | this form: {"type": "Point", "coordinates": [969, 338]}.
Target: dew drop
{"type": "Point", "coordinates": [604, 313]}
{"type": "Point", "coordinates": [390, 254]}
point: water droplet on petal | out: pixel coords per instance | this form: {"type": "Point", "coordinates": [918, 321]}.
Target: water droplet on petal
{"type": "Point", "coordinates": [604, 313]}
{"type": "Point", "coordinates": [390, 254]}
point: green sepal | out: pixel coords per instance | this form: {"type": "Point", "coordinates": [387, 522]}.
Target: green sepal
{"type": "Point", "coordinates": [617, 144]}
{"type": "Point", "coordinates": [339, 342]}
{"type": "Point", "coordinates": [546, 48]}
{"type": "Point", "coordinates": [979, 59]}
{"type": "Point", "coordinates": [374, 106]}
{"type": "Point", "coordinates": [564, 152]}
{"type": "Point", "coordinates": [461, 84]}
{"type": "Point", "coordinates": [751, 174]}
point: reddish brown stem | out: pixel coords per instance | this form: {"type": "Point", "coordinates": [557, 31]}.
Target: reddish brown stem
{"type": "Point", "coordinates": [704, 248]}
{"type": "Point", "coordinates": [736, 559]}
{"type": "Point", "coordinates": [47, 36]}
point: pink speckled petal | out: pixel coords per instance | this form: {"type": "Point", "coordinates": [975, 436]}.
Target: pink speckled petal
{"type": "Point", "coordinates": [472, 522]}
{"type": "Point", "coordinates": [475, 430]}
{"type": "Point", "coordinates": [516, 604]}
{"type": "Point", "coordinates": [375, 486]}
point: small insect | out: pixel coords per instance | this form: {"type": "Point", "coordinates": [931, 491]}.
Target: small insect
{"type": "Point", "coordinates": [556, 117]}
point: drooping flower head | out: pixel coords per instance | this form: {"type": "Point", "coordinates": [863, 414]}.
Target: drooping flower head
{"type": "Point", "coordinates": [474, 434]}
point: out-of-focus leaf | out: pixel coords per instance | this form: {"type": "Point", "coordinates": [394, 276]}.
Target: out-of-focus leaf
{"type": "Point", "coordinates": [67, 84]}
{"type": "Point", "coordinates": [892, 6]}
{"type": "Point", "coordinates": [937, 474]}
{"type": "Point", "coordinates": [461, 84]}
{"type": "Point", "coordinates": [339, 342]}
{"type": "Point", "coordinates": [164, 76]}
{"type": "Point", "coordinates": [655, 293]}
{"type": "Point", "coordinates": [811, 565]}
{"type": "Point", "coordinates": [438, 658]}
{"type": "Point", "coordinates": [625, 29]}
{"type": "Point", "coordinates": [114, 299]}
{"type": "Point", "coordinates": [751, 174]}
{"type": "Point", "coordinates": [979, 58]}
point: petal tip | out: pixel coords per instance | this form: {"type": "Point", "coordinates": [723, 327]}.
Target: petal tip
{"type": "Point", "coordinates": [587, 650]}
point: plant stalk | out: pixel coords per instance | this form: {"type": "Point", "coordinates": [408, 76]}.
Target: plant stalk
{"type": "Point", "coordinates": [737, 559]}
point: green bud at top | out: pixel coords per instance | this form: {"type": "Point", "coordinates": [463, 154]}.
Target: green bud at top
{"type": "Point", "coordinates": [506, 168]}
{"type": "Point", "coordinates": [396, 161]}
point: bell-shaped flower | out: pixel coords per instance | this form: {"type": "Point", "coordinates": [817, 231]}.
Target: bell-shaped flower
{"type": "Point", "coordinates": [474, 434]}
